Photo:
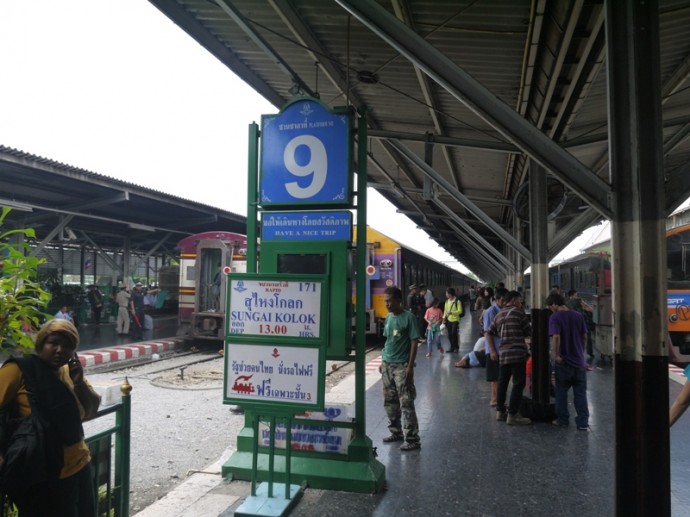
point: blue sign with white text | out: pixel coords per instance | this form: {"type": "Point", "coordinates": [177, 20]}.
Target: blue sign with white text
{"type": "Point", "coordinates": [306, 226]}
{"type": "Point", "coordinates": [305, 156]}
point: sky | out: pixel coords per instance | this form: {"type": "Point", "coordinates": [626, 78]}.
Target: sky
{"type": "Point", "coordinates": [116, 88]}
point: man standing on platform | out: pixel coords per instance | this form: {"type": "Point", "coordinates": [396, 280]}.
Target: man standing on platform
{"type": "Point", "coordinates": [122, 300]}
{"type": "Point", "coordinates": [137, 310]}
{"type": "Point", "coordinates": [397, 371]}
{"type": "Point", "coordinates": [512, 326]}
{"type": "Point", "coordinates": [426, 293]}
{"type": "Point", "coordinates": [96, 301]}
{"type": "Point", "coordinates": [568, 332]}
{"type": "Point", "coordinates": [493, 343]}
{"type": "Point", "coordinates": [452, 312]}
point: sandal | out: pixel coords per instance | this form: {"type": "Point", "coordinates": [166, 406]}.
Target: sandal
{"type": "Point", "coordinates": [393, 438]}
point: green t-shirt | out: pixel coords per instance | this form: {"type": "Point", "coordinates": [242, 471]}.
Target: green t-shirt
{"type": "Point", "coordinates": [399, 331]}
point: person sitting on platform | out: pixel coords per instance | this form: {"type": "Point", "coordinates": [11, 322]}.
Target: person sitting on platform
{"type": "Point", "coordinates": [477, 357]}
{"type": "Point", "coordinates": [64, 314]}
{"type": "Point", "coordinates": [682, 400]}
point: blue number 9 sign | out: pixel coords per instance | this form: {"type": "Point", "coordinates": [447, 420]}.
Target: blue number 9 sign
{"type": "Point", "coordinates": [305, 156]}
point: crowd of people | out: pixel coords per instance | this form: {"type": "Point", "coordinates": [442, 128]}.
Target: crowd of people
{"type": "Point", "coordinates": [133, 308]}
{"type": "Point", "coordinates": [502, 348]}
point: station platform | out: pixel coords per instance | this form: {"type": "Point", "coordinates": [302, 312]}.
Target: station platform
{"type": "Point", "coordinates": [101, 346]}
{"type": "Point", "coordinates": [469, 464]}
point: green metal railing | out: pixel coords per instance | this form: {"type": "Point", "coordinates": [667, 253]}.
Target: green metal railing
{"type": "Point", "coordinates": [110, 465]}
{"type": "Point", "coordinates": [111, 486]}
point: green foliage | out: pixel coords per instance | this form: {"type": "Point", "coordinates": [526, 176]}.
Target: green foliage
{"type": "Point", "coordinates": [61, 294]}
{"type": "Point", "coordinates": [22, 300]}
{"type": "Point", "coordinates": [8, 509]}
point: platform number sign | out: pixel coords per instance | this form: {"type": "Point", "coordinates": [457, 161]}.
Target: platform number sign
{"type": "Point", "coordinates": [305, 152]}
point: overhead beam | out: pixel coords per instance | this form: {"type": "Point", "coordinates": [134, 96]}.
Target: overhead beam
{"type": "Point", "coordinates": [677, 187]}
{"type": "Point", "coordinates": [487, 260]}
{"type": "Point", "coordinates": [484, 103]}
{"type": "Point", "coordinates": [48, 238]}
{"type": "Point", "coordinates": [263, 45]}
{"type": "Point", "coordinates": [316, 50]}
{"type": "Point", "coordinates": [101, 253]}
{"type": "Point", "coordinates": [196, 30]}
{"type": "Point", "coordinates": [117, 197]}
{"type": "Point", "coordinates": [462, 199]}
{"type": "Point", "coordinates": [469, 231]}
{"type": "Point", "coordinates": [576, 226]}
{"type": "Point", "coordinates": [464, 143]}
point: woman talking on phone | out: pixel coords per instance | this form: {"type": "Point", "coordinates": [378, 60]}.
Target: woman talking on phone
{"type": "Point", "coordinates": [63, 398]}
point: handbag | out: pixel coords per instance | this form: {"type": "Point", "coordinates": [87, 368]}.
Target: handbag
{"type": "Point", "coordinates": [30, 456]}
{"type": "Point", "coordinates": [31, 451]}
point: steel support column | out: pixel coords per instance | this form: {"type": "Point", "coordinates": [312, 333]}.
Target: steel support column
{"type": "Point", "coordinates": [639, 251]}
{"type": "Point", "coordinates": [541, 371]}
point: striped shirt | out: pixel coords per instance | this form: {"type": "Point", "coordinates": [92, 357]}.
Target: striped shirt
{"type": "Point", "coordinates": [512, 325]}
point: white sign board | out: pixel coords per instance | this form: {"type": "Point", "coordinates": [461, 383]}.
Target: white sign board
{"type": "Point", "coordinates": [280, 373]}
{"type": "Point", "coordinates": [275, 308]}
{"type": "Point", "coordinates": [314, 438]}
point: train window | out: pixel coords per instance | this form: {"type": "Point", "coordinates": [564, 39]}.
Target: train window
{"type": "Point", "coordinates": [312, 264]}
{"type": "Point", "coordinates": [191, 273]}
{"type": "Point", "coordinates": [678, 265]}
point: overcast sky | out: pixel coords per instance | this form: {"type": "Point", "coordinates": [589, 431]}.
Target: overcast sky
{"type": "Point", "coordinates": [114, 87]}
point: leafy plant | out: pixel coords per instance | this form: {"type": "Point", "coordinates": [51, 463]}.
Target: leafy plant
{"type": "Point", "coordinates": [22, 300]}
{"type": "Point", "coordinates": [61, 294]}
{"type": "Point", "coordinates": [8, 509]}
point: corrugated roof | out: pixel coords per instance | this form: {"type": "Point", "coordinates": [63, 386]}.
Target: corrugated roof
{"type": "Point", "coordinates": [104, 210]}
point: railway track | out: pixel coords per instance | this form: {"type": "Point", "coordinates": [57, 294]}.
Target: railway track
{"type": "Point", "coordinates": [203, 369]}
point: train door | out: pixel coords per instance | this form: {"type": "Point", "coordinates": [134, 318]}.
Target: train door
{"type": "Point", "coordinates": [208, 318]}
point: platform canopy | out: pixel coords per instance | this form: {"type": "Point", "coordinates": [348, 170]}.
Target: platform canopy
{"type": "Point", "coordinates": [64, 204]}
{"type": "Point", "coordinates": [461, 97]}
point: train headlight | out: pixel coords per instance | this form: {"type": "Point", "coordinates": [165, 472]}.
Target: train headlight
{"type": "Point", "coordinates": [673, 318]}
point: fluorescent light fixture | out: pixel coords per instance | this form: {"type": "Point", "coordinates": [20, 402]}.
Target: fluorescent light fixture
{"type": "Point", "coordinates": [22, 207]}
{"type": "Point", "coordinates": [135, 226]}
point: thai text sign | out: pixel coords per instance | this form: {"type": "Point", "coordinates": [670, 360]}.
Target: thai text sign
{"type": "Point", "coordinates": [281, 373]}
{"type": "Point", "coordinates": [270, 307]}
{"type": "Point", "coordinates": [319, 438]}
{"type": "Point", "coordinates": [306, 226]}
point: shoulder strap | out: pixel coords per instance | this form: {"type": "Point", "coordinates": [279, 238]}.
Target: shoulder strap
{"type": "Point", "coordinates": [50, 399]}
{"type": "Point", "coordinates": [503, 321]}
{"type": "Point", "coordinates": [28, 368]}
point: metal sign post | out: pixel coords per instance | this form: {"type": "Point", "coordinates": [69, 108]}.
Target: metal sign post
{"type": "Point", "coordinates": [303, 195]}
{"type": "Point", "coordinates": [275, 366]}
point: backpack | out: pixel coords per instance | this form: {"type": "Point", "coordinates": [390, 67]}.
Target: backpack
{"type": "Point", "coordinates": [31, 450]}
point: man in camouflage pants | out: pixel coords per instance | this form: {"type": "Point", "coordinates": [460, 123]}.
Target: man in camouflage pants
{"type": "Point", "coordinates": [397, 371]}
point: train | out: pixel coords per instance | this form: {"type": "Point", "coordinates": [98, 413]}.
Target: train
{"type": "Point", "coordinates": [206, 258]}
{"type": "Point", "coordinates": [590, 275]}
{"type": "Point", "coordinates": [392, 263]}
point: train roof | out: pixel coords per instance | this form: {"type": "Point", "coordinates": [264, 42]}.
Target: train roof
{"type": "Point", "coordinates": [374, 235]}
{"type": "Point", "coordinates": [188, 244]}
